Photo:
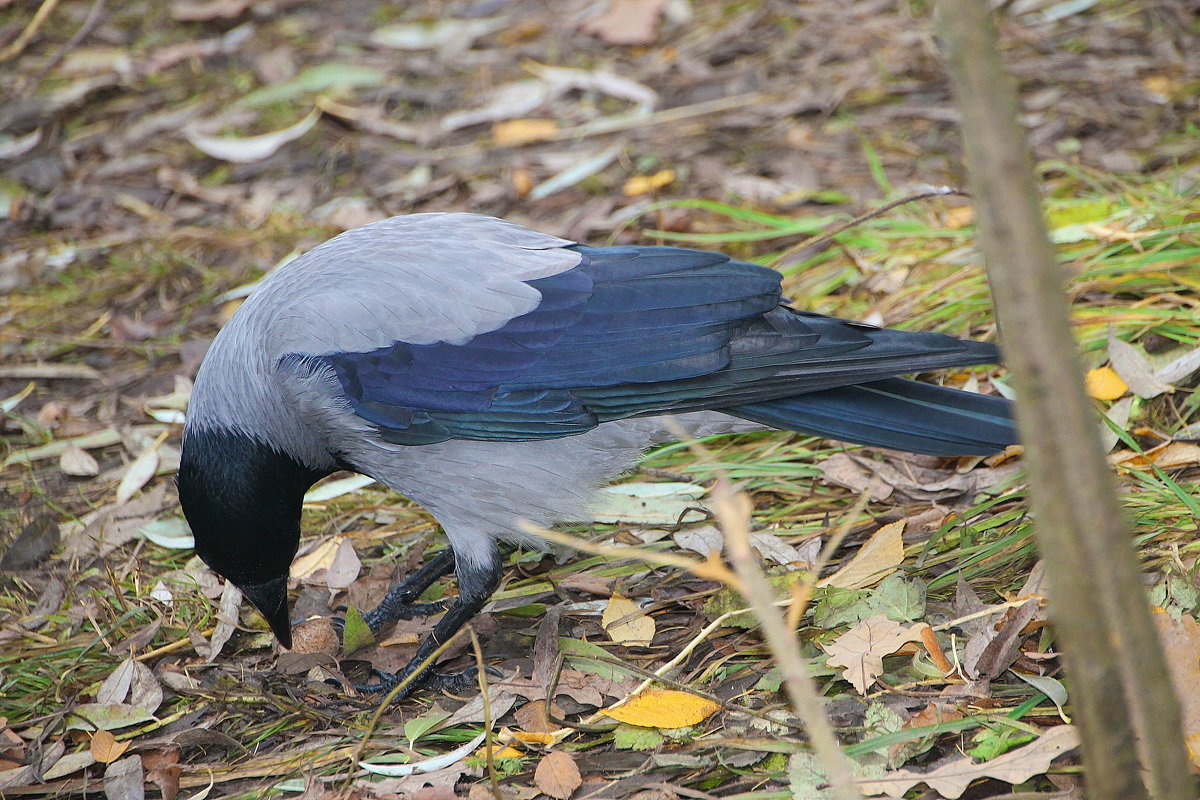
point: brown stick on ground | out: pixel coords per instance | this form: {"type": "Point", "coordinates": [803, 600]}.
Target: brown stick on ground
{"type": "Point", "coordinates": [1120, 696]}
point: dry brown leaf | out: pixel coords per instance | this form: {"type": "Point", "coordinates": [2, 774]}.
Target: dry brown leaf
{"type": "Point", "coordinates": [1181, 645]}
{"type": "Point", "coordinates": [993, 649]}
{"type": "Point", "coordinates": [516, 132]}
{"type": "Point", "coordinates": [625, 623]}
{"type": "Point", "coordinates": [162, 769]}
{"type": "Point", "coordinates": [1103, 383]}
{"type": "Point", "coordinates": [105, 748]}
{"type": "Point", "coordinates": [534, 718]}
{"type": "Point", "coordinates": [663, 708]}
{"type": "Point", "coordinates": [952, 779]}
{"type": "Point", "coordinates": [860, 650]}
{"type": "Point", "coordinates": [557, 775]}
{"type": "Point", "coordinates": [627, 22]}
{"type": "Point", "coordinates": [874, 561]}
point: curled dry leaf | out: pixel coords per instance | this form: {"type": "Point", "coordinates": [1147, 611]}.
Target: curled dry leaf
{"type": "Point", "coordinates": [557, 775]}
{"type": "Point", "coordinates": [625, 623]}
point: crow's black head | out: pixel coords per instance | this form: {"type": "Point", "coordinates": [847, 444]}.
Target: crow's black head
{"type": "Point", "coordinates": [242, 499]}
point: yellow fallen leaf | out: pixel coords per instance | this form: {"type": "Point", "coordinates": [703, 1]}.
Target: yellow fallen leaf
{"type": "Point", "coordinates": [663, 708]}
{"type": "Point", "coordinates": [508, 751]}
{"type": "Point", "coordinates": [514, 132]}
{"type": "Point", "coordinates": [644, 184]}
{"type": "Point", "coordinates": [877, 559]}
{"type": "Point", "coordinates": [105, 748]}
{"type": "Point", "coordinates": [1103, 383]}
{"type": "Point", "coordinates": [533, 738]}
{"type": "Point", "coordinates": [625, 623]}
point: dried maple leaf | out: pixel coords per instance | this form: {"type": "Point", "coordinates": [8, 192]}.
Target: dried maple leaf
{"type": "Point", "coordinates": [860, 650]}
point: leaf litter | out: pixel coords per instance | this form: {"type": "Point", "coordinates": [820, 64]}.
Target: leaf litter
{"type": "Point", "coordinates": [124, 259]}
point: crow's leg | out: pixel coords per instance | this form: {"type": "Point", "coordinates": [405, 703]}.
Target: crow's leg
{"type": "Point", "coordinates": [400, 601]}
{"type": "Point", "coordinates": [477, 580]}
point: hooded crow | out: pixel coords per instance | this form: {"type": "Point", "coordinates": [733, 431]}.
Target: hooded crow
{"type": "Point", "coordinates": [495, 374]}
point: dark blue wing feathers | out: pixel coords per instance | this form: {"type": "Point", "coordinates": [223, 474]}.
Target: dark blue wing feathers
{"type": "Point", "coordinates": [641, 330]}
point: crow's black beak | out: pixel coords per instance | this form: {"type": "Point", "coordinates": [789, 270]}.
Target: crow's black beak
{"type": "Point", "coordinates": [270, 598]}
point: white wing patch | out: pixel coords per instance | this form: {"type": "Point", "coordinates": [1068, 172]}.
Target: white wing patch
{"type": "Point", "coordinates": [422, 279]}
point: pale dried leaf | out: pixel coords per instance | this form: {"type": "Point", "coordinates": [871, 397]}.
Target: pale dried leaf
{"type": "Point", "coordinates": [227, 620]}
{"type": "Point", "coordinates": [345, 567]}
{"type": "Point", "coordinates": [649, 503]}
{"type": "Point", "coordinates": [116, 686]}
{"type": "Point", "coordinates": [1180, 368]}
{"type": "Point", "coordinates": [1133, 367]}
{"type": "Point", "coordinates": [627, 22]}
{"type": "Point", "coordinates": [78, 462]}
{"type": "Point", "coordinates": [138, 473]}
{"type": "Point", "coordinates": [625, 623]}
{"type": "Point", "coordinates": [772, 548]}
{"type": "Point", "coordinates": [333, 489]}
{"type": "Point", "coordinates": [1118, 415]}
{"type": "Point", "coordinates": [703, 539]}
{"type": "Point", "coordinates": [877, 559]}
{"type": "Point", "coordinates": [952, 779]}
{"type": "Point", "coordinates": [842, 470]}
{"type": "Point", "coordinates": [246, 149]}
{"type": "Point", "coordinates": [68, 765]}
{"type": "Point", "coordinates": [125, 780]}
{"type": "Point", "coordinates": [459, 33]}
{"type": "Point", "coordinates": [557, 775]}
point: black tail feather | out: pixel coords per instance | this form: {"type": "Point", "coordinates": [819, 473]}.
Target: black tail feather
{"type": "Point", "coordinates": [898, 414]}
